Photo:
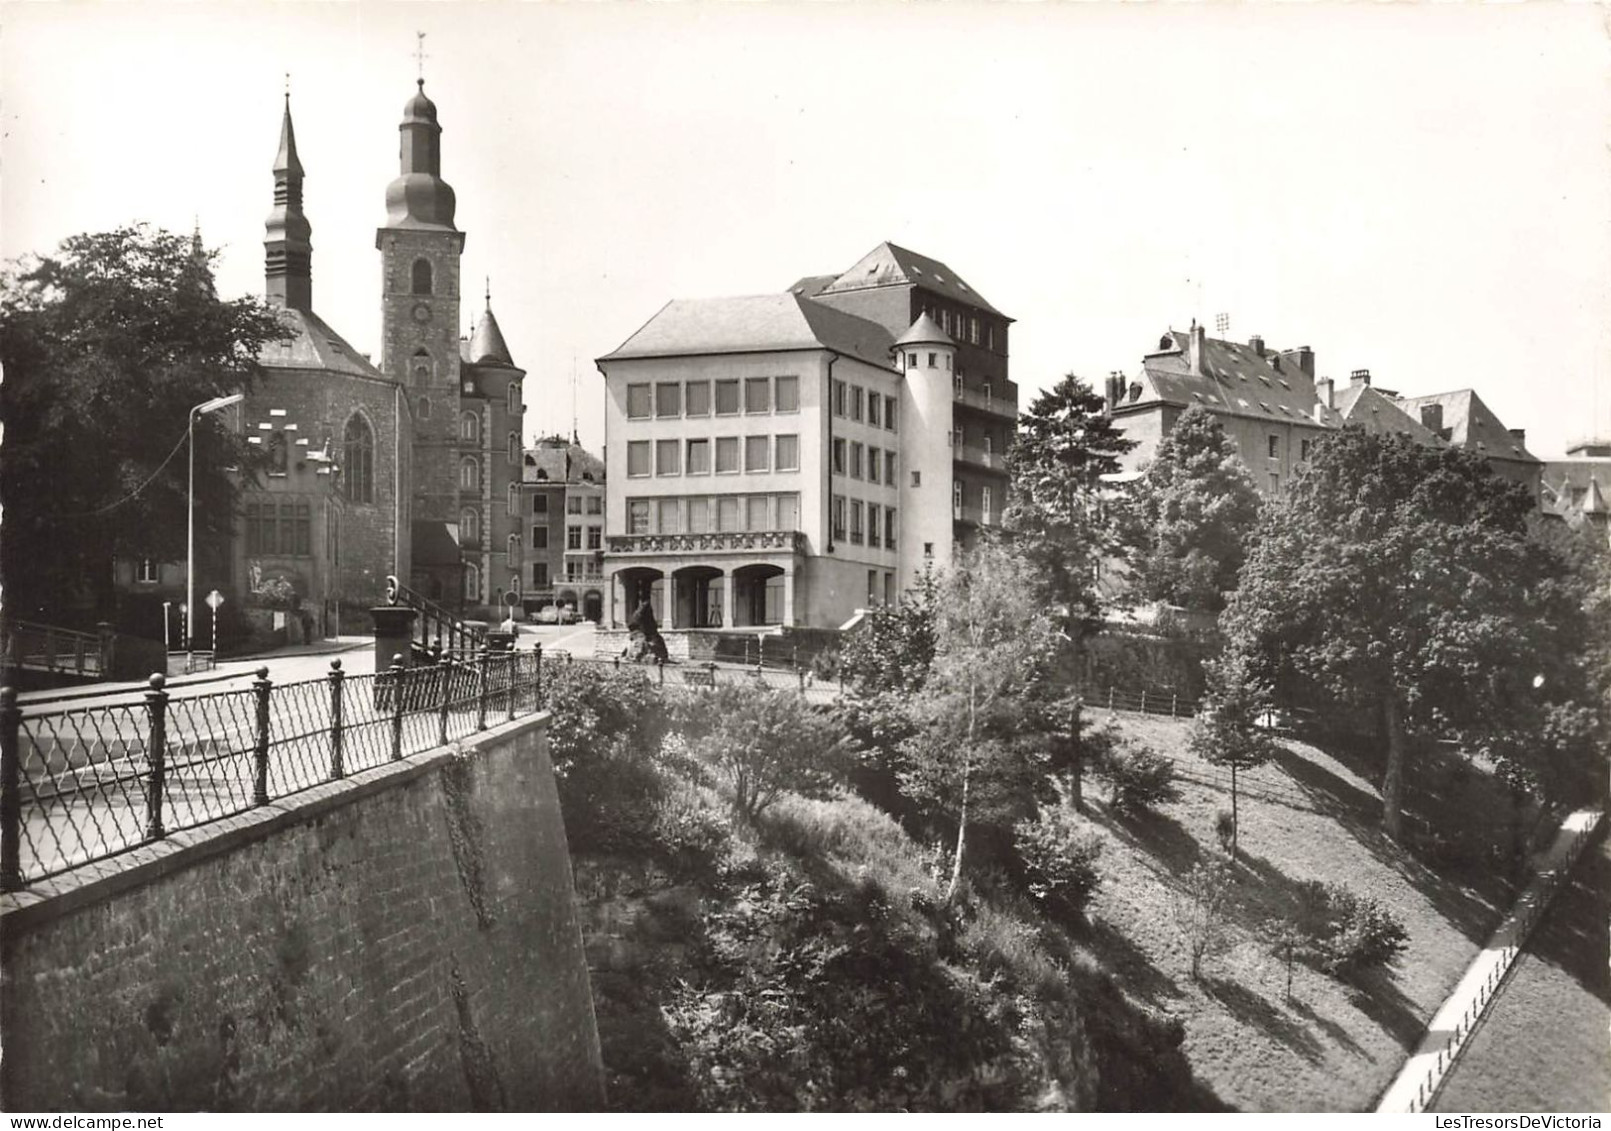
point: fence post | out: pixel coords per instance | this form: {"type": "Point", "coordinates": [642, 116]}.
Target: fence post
{"type": "Point", "coordinates": [337, 769]}
{"type": "Point", "coordinates": [537, 678]}
{"type": "Point", "coordinates": [443, 677]}
{"type": "Point", "coordinates": [1172, 704]}
{"type": "Point", "coordinates": [261, 686]}
{"type": "Point", "coordinates": [1110, 697]}
{"type": "Point", "coordinates": [10, 791]}
{"type": "Point", "coordinates": [509, 684]}
{"type": "Point", "coordinates": [483, 661]}
{"type": "Point", "coordinates": [397, 671]}
{"type": "Point", "coordinates": [156, 705]}
{"type": "Point", "coordinates": [1143, 700]}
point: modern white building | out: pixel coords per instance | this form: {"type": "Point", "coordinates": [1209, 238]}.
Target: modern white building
{"type": "Point", "coordinates": [787, 459]}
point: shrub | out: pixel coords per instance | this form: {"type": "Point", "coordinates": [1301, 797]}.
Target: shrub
{"type": "Point", "coordinates": [1225, 829]}
{"type": "Point", "coordinates": [1141, 778]}
{"type": "Point", "coordinates": [1344, 931]}
{"type": "Point", "coordinates": [762, 743]}
{"type": "Point", "coordinates": [1201, 906]}
{"type": "Point", "coordinates": [1060, 858]}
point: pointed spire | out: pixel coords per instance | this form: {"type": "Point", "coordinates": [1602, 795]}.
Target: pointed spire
{"type": "Point", "coordinates": [288, 247]}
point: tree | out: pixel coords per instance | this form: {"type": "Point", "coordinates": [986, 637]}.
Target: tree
{"type": "Point", "coordinates": [891, 650]}
{"type": "Point", "coordinates": [1201, 910]}
{"type": "Point", "coordinates": [1226, 733]}
{"type": "Point", "coordinates": [987, 705]}
{"type": "Point", "coordinates": [107, 345]}
{"type": "Point", "coordinates": [1065, 444]}
{"type": "Point", "coordinates": [1398, 581]}
{"type": "Point", "coordinates": [1186, 525]}
{"type": "Point", "coordinates": [762, 743]}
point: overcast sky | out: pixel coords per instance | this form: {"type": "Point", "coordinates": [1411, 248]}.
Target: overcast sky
{"type": "Point", "coordinates": [1423, 190]}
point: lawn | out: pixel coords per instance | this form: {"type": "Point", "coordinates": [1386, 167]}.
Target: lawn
{"type": "Point", "coordinates": [1309, 816]}
{"type": "Point", "coordinates": [1544, 1044]}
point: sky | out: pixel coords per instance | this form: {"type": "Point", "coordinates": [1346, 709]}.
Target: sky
{"type": "Point", "coordinates": [1423, 190]}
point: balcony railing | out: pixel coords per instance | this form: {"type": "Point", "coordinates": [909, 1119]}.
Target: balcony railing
{"type": "Point", "coordinates": [996, 406]}
{"type": "Point", "coordinates": [725, 542]}
{"type": "Point", "coordinates": [967, 453]}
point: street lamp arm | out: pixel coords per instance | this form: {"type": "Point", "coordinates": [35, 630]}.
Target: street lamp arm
{"type": "Point", "coordinates": [202, 409]}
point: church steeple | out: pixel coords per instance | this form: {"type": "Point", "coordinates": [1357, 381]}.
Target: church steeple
{"type": "Point", "coordinates": [288, 247]}
{"type": "Point", "coordinates": [419, 197]}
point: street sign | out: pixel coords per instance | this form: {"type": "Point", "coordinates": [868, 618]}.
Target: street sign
{"type": "Point", "coordinates": [214, 599]}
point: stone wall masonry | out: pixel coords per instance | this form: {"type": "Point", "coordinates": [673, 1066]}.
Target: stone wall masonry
{"type": "Point", "coordinates": [405, 939]}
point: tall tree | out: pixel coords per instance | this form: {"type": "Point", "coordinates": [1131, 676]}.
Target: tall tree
{"type": "Point", "coordinates": [1226, 733]}
{"type": "Point", "coordinates": [1066, 442]}
{"type": "Point", "coordinates": [107, 345]}
{"type": "Point", "coordinates": [1189, 517]}
{"type": "Point", "coordinates": [1399, 581]}
{"type": "Point", "coordinates": [982, 717]}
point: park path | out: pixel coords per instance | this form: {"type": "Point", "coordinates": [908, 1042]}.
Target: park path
{"type": "Point", "coordinates": [1424, 1072]}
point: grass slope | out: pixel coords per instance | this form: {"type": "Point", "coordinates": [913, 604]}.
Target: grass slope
{"type": "Point", "coordinates": [1309, 816]}
{"type": "Point", "coordinates": [1544, 1045]}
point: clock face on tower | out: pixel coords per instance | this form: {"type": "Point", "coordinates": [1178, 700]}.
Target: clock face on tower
{"type": "Point", "coordinates": [422, 312]}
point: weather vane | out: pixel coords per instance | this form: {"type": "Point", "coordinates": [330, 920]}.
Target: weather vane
{"type": "Point", "coordinates": [419, 53]}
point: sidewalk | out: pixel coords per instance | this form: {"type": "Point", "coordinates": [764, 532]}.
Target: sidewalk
{"type": "Point", "coordinates": [232, 668]}
{"type": "Point", "coordinates": [1418, 1081]}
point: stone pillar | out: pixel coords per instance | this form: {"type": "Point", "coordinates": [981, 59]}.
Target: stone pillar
{"type": "Point", "coordinates": [394, 631]}
{"type": "Point", "coordinates": [729, 583]}
{"type": "Point", "coordinates": [788, 598]}
{"type": "Point", "coordinates": [673, 592]}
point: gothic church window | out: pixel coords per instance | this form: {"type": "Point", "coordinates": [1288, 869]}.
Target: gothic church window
{"type": "Point", "coordinates": [421, 367]}
{"type": "Point", "coordinates": [422, 277]}
{"type": "Point", "coordinates": [358, 463]}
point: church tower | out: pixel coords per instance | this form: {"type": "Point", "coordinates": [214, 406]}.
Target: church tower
{"type": "Point", "coordinates": [420, 251]}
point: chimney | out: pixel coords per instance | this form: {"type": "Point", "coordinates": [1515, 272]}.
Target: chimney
{"type": "Point", "coordinates": [1324, 392]}
{"type": "Point", "coordinates": [1194, 349]}
{"type": "Point", "coordinates": [1303, 357]}
{"type": "Point", "coordinates": [1359, 377]}
{"type": "Point", "coordinates": [1256, 344]}
{"type": "Point", "coordinates": [1115, 390]}
{"type": "Point", "coordinates": [1432, 418]}
{"type": "Point", "coordinates": [1519, 435]}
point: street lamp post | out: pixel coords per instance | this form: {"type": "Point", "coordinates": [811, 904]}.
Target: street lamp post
{"type": "Point", "coordinates": [190, 521]}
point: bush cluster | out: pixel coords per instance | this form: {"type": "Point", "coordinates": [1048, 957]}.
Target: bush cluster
{"type": "Point", "coordinates": [1345, 932]}
{"type": "Point", "coordinates": [1060, 858]}
{"type": "Point", "coordinates": [1141, 778]}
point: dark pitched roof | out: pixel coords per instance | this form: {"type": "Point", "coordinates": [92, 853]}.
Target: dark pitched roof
{"type": "Point", "coordinates": [1234, 378]}
{"type": "Point", "coordinates": [560, 461]}
{"type": "Point", "coordinates": [1472, 424]}
{"type": "Point", "coordinates": [754, 324]}
{"type": "Point", "coordinates": [1376, 412]}
{"type": "Point", "coordinates": [312, 344]}
{"type": "Point", "coordinates": [890, 265]}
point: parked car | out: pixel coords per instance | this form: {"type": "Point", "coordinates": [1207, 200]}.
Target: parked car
{"type": "Point", "coordinates": [557, 614]}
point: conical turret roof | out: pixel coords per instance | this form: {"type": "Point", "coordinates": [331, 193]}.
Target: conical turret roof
{"type": "Point", "coordinates": [488, 345]}
{"type": "Point", "coordinates": [925, 331]}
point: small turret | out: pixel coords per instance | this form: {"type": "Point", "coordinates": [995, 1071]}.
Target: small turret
{"type": "Point", "coordinates": [287, 244]}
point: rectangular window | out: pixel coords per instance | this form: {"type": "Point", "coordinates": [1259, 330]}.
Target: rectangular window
{"type": "Point", "coordinates": [667, 457]}
{"type": "Point", "coordinates": [573, 504]}
{"type": "Point", "coordinates": [287, 528]}
{"type": "Point", "coordinates": [839, 456]}
{"type": "Point", "coordinates": [726, 454]}
{"type": "Point", "coordinates": [254, 530]}
{"type": "Point", "coordinates": [889, 469]}
{"type": "Point", "coordinates": [875, 459]}
{"type": "Point", "coordinates": [539, 503]}
{"type": "Point", "coordinates": [1275, 447]}
{"type": "Point", "coordinates": [727, 513]}
{"type": "Point", "coordinates": [756, 512]}
{"type": "Point", "coordinates": [595, 504]}
{"type": "Point", "coordinates": [573, 537]}
{"type": "Point", "coordinates": [573, 570]}
{"type": "Point", "coordinates": [788, 394]}
{"type": "Point", "coordinates": [539, 575]}
{"type": "Point", "coordinates": [539, 538]}
{"type": "Point", "coordinates": [668, 398]}
{"type": "Point", "coordinates": [511, 550]}
{"type": "Point", "coordinates": [917, 479]}
{"type": "Point", "coordinates": [889, 588]}
{"type": "Point", "coordinates": [788, 512]}
{"type": "Point", "coordinates": [857, 395]}
{"type": "Point", "coordinates": [872, 587]}
{"type": "Point", "coordinates": [839, 398]}
{"type": "Point", "coordinates": [889, 413]}
{"type": "Point", "coordinates": [637, 457]}
{"type": "Point", "coordinates": [973, 331]}
{"type": "Point", "coordinates": [668, 517]}
{"type": "Point", "coordinates": [856, 512]}
{"type": "Point", "coordinates": [147, 568]}
{"type": "Point", "coordinates": [855, 459]}
{"type": "Point", "coordinates": [595, 537]}
{"type": "Point", "coordinates": [1275, 483]}
{"type": "Point", "coordinates": [956, 497]}
{"type": "Point", "coordinates": [889, 528]}
{"type": "Point", "coordinates": [726, 398]}
{"type": "Point", "coordinates": [1303, 449]}
{"type": "Point", "coordinates": [838, 516]}
{"type": "Point", "coordinates": [757, 394]}
{"type": "Point", "coordinates": [874, 409]}
{"type": "Point", "coordinates": [786, 456]}
{"type": "Point", "coordinates": [697, 395]}
{"type": "Point", "coordinates": [698, 457]}
{"type": "Point", "coordinates": [699, 515]}
{"type": "Point", "coordinates": [637, 402]}
{"type": "Point", "coordinates": [873, 538]}
{"type": "Point", "coordinates": [637, 516]}
{"type": "Point", "coordinates": [984, 502]}
{"type": "Point", "coordinates": [757, 453]}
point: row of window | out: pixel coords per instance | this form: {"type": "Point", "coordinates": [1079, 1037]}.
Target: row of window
{"type": "Point", "coordinates": [573, 504]}
{"type": "Point", "coordinates": [863, 523]}
{"type": "Point", "coordinates": [701, 456]}
{"type": "Point", "coordinates": [859, 461]}
{"type": "Point", "coordinates": [959, 499]}
{"type": "Point", "coordinates": [574, 571]}
{"type": "Point", "coordinates": [967, 327]}
{"type": "Point", "coordinates": [573, 537]}
{"type": "Point", "coordinates": [730, 396]}
{"type": "Point", "coordinates": [283, 528]}
{"type": "Point", "coordinates": [852, 402]}
{"type": "Point", "coordinates": [700, 514]}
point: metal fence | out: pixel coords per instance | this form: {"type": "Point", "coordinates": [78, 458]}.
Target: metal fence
{"type": "Point", "coordinates": [703, 675]}
{"type": "Point", "coordinates": [81, 785]}
{"type": "Point", "coordinates": [1147, 701]}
